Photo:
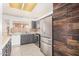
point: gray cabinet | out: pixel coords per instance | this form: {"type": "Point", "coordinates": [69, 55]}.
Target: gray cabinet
{"type": "Point", "coordinates": [34, 25]}
{"type": "Point", "coordinates": [6, 51]}
{"type": "Point", "coordinates": [27, 38]}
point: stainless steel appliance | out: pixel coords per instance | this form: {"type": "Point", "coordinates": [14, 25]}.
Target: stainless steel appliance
{"type": "Point", "coordinates": [46, 35]}
{"type": "Point", "coordinates": [37, 39]}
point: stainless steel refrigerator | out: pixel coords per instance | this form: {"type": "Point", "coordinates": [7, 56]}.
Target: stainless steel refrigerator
{"type": "Point", "coordinates": [46, 35]}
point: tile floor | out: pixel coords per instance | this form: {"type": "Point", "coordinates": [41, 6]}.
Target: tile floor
{"type": "Point", "coordinates": [26, 50]}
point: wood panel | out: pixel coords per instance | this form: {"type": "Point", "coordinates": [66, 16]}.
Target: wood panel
{"type": "Point", "coordinates": [66, 31]}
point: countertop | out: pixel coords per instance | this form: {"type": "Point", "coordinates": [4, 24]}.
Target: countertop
{"type": "Point", "coordinates": [7, 38]}
{"type": "Point", "coordinates": [25, 33]}
{"type": "Point", "coordinates": [5, 41]}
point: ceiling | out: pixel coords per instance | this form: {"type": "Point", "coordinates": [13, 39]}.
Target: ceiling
{"type": "Point", "coordinates": [38, 11]}
{"type": "Point", "coordinates": [23, 6]}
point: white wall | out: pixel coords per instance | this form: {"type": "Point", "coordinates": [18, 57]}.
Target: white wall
{"type": "Point", "coordinates": [0, 20]}
{"type": "Point", "coordinates": [13, 18]}
{"type": "Point", "coordinates": [0, 28]}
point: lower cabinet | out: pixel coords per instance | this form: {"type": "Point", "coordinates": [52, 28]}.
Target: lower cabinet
{"type": "Point", "coordinates": [6, 51]}
{"type": "Point", "coordinates": [15, 40]}
{"type": "Point", "coordinates": [27, 38]}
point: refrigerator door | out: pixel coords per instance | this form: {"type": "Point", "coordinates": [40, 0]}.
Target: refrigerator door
{"type": "Point", "coordinates": [46, 27]}
{"type": "Point", "coordinates": [46, 35]}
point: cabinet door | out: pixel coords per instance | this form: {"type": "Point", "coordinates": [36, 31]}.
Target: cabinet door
{"type": "Point", "coordinates": [35, 39]}
{"type": "Point", "coordinates": [46, 27]}
{"type": "Point", "coordinates": [25, 39]}
{"type": "Point", "coordinates": [4, 53]}
{"type": "Point", "coordinates": [34, 25]}
{"type": "Point", "coordinates": [15, 39]}
{"type": "Point", "coordinates": [9, 48]}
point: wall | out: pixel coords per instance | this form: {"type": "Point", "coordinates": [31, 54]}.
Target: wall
{"type": "Point", "coordinates": [11, 19]}
{"type": "Point", "coordinates": [0, 27]}
{"type": "Point", "coordinates": [66, 29]}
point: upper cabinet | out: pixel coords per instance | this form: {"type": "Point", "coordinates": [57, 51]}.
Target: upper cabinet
{"type": "Point", "coordinates": [34, 25]}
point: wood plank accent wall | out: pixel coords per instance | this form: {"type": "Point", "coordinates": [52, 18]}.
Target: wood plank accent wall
{"type": "Point", "coordinates": [66, 29]}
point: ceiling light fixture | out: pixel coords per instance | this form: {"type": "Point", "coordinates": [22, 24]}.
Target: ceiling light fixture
{"type": "Point", "coordinates": [29, 6]}
{"type": "Point", "coordinates": [26, 6]}
{"type": "Point", "coordinates": [16, 5]}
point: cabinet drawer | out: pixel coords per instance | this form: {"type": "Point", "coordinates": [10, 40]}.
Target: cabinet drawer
{"type": "Point", "coordinates": [26, 39]}
{"type": "Point", "coordinates": [46, 49]}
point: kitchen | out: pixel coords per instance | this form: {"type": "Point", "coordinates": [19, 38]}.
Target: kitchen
{"type": "Point", "coordinates": [27, 29]}
{"type": "Point", "coordinates": [39, 29]}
